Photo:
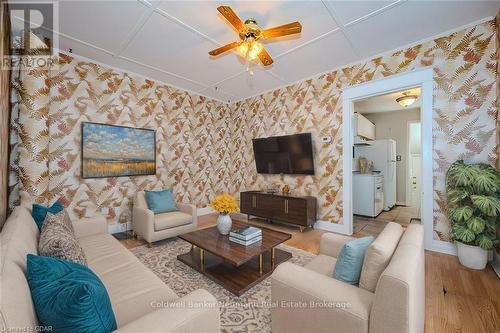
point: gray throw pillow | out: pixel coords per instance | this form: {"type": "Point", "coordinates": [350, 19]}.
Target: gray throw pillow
{"type": "Point", "coordinates": [63, 218]}
{"type": "Point", "coordinates": [57, 239]}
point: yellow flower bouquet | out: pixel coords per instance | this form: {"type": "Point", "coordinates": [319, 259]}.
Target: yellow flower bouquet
{"type": "Point", "coordinates": [224, 204]}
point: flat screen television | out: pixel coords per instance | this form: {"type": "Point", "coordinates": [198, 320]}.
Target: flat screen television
{"type": "Point", "coordinates": [290, 154]}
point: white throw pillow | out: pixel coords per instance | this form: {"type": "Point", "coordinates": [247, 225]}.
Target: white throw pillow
{"type": "Point", "coordinates": [378, 255]}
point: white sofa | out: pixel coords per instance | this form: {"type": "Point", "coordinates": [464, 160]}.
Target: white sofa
{"type": "Point", "coordinates": [139, 298]}
{"type": "Point", "coordinates": [153, 228]}
{"type": "Point", "coordinates": [395, 305]}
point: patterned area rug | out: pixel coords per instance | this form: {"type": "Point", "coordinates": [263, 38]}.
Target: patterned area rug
{"type": "Point", "coordinates": [247, 313]}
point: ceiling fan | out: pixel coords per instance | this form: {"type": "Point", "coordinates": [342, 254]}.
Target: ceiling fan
{"type": "Point", "coordinates": [250, 34]}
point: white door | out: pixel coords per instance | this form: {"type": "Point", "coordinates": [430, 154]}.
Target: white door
{"type": "Point", "coordinates": [415, 180]}
{"type": "Point", "coordinates": [414, 191]}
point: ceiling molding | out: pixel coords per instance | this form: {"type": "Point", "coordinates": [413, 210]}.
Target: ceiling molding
{"type": "Point", "coordinates": [186, 26]}
{"type": "Point", "coordinates": [336, 18]}
{"type": "Point", "coordinates": [205, 92]}
{"type": "Point", "coordinates": [145, 17]}
{"type": "Point", "coordinates": [76, 40]}
{"type": "Point", "coordinates": [376, 12]}
{"type": "Point", "coordinates": [162, 71]}
{"type": "Point", "coordinates": [309, 42]}
{"type": "Point", "coordinates": [216, 85]}
{"type": "Point", "coordinates": [276, 76]}
{"type": "Point", "coordinates": [146, 3]}
{"type": "Point", "coordinates": [129, 72]}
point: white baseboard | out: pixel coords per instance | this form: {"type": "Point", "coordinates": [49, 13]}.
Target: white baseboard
{"type": "Point", "coordinates": [442, 247]}
{"type": "Point", "coordinates": [205, 211]}
{"type": "Point", "coordinates": [333, 227]}
{"type": "Point", "coordinates": [119, 227]}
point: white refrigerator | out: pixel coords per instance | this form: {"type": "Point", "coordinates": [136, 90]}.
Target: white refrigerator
{"type": "Point", "coordinates": [383, 155]}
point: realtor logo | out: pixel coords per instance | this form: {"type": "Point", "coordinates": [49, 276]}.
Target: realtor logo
{"type": "Point", "coordinates": [32, 37]}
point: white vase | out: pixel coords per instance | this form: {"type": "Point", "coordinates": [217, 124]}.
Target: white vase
{"type": "Point", "coordinates": [224, 223]}
{"type": "Point", "coordinates": [472, 256]}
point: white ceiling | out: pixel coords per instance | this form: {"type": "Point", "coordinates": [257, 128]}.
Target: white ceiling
{"type": "Point", "coordinates": [387, 102]}
{"type": "Point", "coordinates": [169, 40]}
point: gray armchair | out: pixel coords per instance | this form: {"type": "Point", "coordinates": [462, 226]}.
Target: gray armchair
{"type": "Point", "coordinates": [157, 227]}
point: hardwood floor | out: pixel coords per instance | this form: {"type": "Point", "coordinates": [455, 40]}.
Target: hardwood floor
{"type": "Point", "coordinates": [460, 299]}
{"type": "Point", "coordinates": [373, 226]}
{"type": "Point", "coordinates": [457, 299]}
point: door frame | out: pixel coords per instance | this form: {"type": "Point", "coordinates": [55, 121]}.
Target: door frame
{"type": "Point", "coordinates": [423, 78]}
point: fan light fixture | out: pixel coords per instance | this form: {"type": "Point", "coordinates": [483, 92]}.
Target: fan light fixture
{"type": "Point", "coordinates": [250, 34]}
{"type": "Point", "coordinates": [406, 100]}
{"type": "Point", "coordinates": [250, 49]}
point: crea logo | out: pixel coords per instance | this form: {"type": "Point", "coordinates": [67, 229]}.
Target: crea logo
{"type": "Point", "coordinates": [33, 34]}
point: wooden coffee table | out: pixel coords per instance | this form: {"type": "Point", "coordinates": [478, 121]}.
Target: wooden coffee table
{"type": "Point", "coordinates": [235, 267]}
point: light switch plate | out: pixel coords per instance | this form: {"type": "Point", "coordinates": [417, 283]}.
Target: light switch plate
{"type": "Point", "coordinates": [326, 139]}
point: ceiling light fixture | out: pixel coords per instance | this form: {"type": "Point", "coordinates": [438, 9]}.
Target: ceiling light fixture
{"type": "Point", "coordinates": [250, 49]}
{"type": "Point", "coordinates": [250, 34]}
{"type": "Point", "coordinates": [407, 99]}
{"type": "Point", "coordinates": [254, 51]}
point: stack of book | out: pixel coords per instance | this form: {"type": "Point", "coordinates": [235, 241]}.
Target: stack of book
{"type": "Point", "coordinates": [246, 236]}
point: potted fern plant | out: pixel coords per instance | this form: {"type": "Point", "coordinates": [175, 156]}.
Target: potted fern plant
{"type": "Point", "coordinates": [473, 192]}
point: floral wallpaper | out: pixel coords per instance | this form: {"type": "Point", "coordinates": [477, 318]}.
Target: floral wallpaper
{"type": "Point", "coordinates": [204, 147]}
{"type": "Point", "coordinates": [464, 116]}
{"type": "Point", "coordinates": [191, 136]}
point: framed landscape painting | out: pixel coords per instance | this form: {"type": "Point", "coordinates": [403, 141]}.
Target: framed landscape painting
{"type": "Point", "coordinates": [116, 151]}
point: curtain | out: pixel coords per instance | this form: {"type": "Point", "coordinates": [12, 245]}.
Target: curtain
{"type": "Point", "coordinates": [4, 114]}
{"type": "Point", "coordinates": [29, 130]}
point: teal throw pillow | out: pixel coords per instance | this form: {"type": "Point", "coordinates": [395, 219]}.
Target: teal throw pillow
{"type": "Point", "coordinates": [68, 297]}
{"type": "Point", "coordinates": [161, 201]}
{"type": "Point", "coordinates": [350, 260]}
{"type": "Point", "coordinates": [39, 212]}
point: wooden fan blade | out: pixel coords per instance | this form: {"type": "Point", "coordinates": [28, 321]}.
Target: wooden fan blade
{"type": "Point", "coordinates": [224, 48]}
{"type": "Point", "coordinates": [265, 58]}
{"type": "Point", "coordinates": [282, 30]}
{"type": "Point", "coordinates": [231, 16]}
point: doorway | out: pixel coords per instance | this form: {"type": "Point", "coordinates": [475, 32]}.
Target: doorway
{"type": "Point", "coordinates": [422, 78]}
{"type": "Point", "coordinates": [385, 172]}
